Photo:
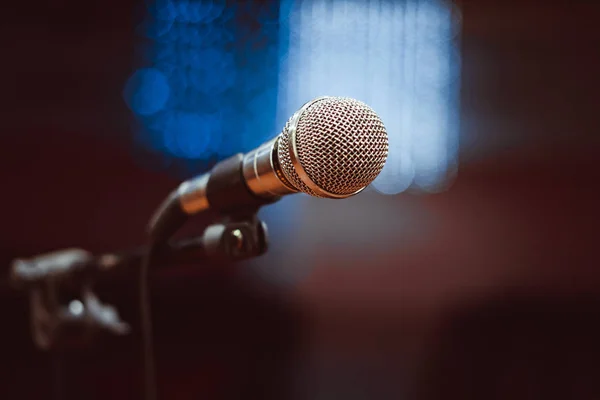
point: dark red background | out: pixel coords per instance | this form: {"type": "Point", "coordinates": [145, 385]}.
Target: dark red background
{"type": "Point", "coordinates": [498, 301]}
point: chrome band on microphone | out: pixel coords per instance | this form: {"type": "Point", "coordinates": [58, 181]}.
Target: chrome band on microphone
{"type": "Point", "coordinates": [261, 172]}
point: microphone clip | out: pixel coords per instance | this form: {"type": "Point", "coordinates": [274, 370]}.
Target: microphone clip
{"type": "Point", "coordinates": [65, 312]}
{"type": "Point", "coordinates": [235, 239]}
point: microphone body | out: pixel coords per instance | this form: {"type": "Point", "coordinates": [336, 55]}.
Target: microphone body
{"type": "Point", "coordinates": [332, 147]}
{"type": "Point", "coordinates": [235, 185]}
{"type": "Point", "coordinates": [238, 182]}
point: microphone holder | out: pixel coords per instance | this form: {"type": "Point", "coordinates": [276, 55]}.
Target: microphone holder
{"type": "Point", "coordinates": [50, 278]}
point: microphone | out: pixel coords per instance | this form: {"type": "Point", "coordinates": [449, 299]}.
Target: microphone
{"type": "Point", "coordinates": [333, 147]}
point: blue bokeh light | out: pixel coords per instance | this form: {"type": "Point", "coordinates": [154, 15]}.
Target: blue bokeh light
{"type": "Point", "coordinates": [219, 77]}
{"type": "Point", "coordinates": [218, 61]}
{"type": "Point", "coordinates": [399, 56]}
{"type": "Point", "coordinates": [147, 91]}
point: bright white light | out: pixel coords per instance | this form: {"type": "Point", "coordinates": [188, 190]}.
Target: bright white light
{"type": "Point", "coordinates": [76, 307]}
{"type": "Point", "coordinates": [399, 57]}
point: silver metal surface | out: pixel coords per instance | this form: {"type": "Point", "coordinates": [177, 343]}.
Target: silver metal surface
{"type": "Point", "coordinates": [192, 194]}
{"type": "Point", "coordinates": [261, 173]}
{"type": "Point", "coordinates": [54, 263]}
{"type": "Point", "coordinates": [76, 308]}
{"type": "Point", "coordinates": [295, 157]}
{"type": "Point", "coordinates": [333, 147]}
{"type": "Point", "coordinates": [239, 238]}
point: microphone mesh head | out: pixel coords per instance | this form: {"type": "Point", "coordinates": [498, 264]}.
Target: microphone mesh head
{"type": "Point", "coordinates": [341, 144]}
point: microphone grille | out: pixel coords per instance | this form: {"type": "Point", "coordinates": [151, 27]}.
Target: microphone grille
{"type": "Point", "coordinates": [333, 147]}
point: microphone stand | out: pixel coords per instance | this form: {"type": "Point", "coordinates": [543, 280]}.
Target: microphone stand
{"type": "Point", "coordinates": [49, 277]}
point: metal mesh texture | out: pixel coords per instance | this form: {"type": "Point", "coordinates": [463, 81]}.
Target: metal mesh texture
{"type": "Point", "coordinates": [342, 145]}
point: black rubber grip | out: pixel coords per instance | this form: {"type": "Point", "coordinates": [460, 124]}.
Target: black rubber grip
{"type": "Point", "coordinates": [227, 191]}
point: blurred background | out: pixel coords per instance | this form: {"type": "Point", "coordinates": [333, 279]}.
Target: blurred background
{"type": "Point", "coordinates": [468, 270]}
